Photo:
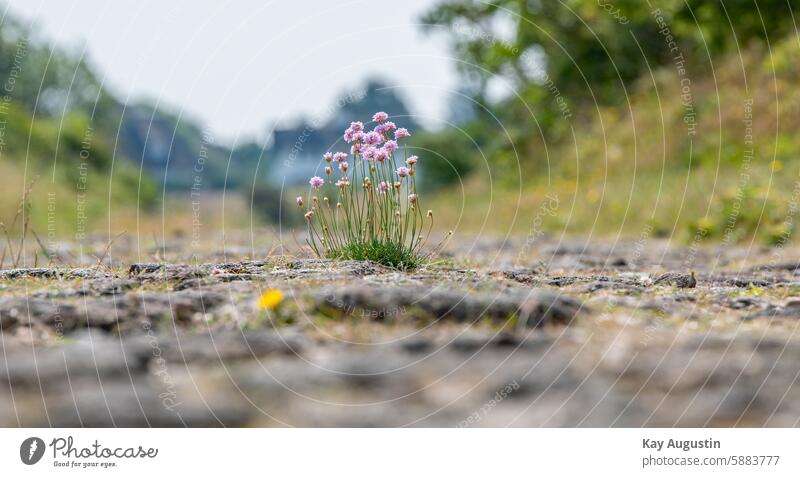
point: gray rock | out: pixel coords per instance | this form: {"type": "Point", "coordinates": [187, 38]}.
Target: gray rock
{"type": "Point", "coordinates": [85, 354]}
{"type": "Point", "coordinates": [680, 280]}
{"type": "Point", "coordinates": [52, 273]}
{"type": "Point", "coordinates": [232, 344]}
{"type": "Point", "coordinates": [533, 307]}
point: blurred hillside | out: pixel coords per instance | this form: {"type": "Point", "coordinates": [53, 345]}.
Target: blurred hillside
{"type": "Point", "coordinates": [54, 125]}
{"type": "Point", "coordinates": [677, 120]}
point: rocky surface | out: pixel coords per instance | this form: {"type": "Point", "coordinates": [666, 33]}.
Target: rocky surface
{"type": "Point", "coordinates": [495, 333]}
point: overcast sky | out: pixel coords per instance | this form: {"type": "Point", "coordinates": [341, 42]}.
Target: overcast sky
{"type": "Point", "coordinates": [238, 65]}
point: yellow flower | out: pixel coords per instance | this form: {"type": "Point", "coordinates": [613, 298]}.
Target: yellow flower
{"type": "Point", "coordinates": [270, 299]}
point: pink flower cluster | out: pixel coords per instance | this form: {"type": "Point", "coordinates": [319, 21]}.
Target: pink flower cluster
{"type": "Point", "coordinates": [355, 132]}
{"type": "Point", "coordinates": [374, 192]}
{"type": "Point", "coordinates": [316, 182]}
{"type": "Point", "coordinates": [376, 145]}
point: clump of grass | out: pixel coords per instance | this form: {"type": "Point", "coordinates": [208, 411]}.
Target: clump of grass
{"type": "Point", "coordinates": [386, 253]}
{"type": "Point", "coordinates": [372, 210]}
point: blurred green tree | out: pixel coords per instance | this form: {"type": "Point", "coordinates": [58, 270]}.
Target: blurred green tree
{"type": "Point", "coordinates": [590, 48]}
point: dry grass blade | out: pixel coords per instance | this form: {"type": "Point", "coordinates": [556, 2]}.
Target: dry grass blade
{"type": "Point", "coordinates": [23, 209]}
{"type": "Point", "coordinates": [108, 247]}
{"type": "Point", "coordinates": [8, 247]}
{"type": "Point", "coordinates": [46, 252]}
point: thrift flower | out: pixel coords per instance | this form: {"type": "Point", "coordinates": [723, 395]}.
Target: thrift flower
{"type": "Point", "coordinates": [380, 117]}
{"type": "Point", "coordinates": [372, 138]}
{"type": "Point", "coordinates": [370, 197]}
{"type": "Point", "coordinates": [390, 146]}
{"type": "Point", "coordinates": [316, 182]}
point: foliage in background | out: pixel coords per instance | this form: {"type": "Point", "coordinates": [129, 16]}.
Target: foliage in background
{"type": "Point", "coordinates": [54, 126]}
{"type": "Point", "coordinates": [561, 61]}
{"type": "Point", "coordinates": [601, 45]}
{"type": "Point", "coordinates": [635, 170]}
{"type": "Point", "coordinates": [598, 118]}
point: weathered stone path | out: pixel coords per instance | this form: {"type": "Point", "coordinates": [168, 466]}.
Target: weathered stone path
{"type": "Point", "coordinates": [566, 335]}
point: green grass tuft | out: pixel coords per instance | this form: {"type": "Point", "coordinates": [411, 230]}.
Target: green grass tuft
{"type": "Point", "coordinates": [385, 253]}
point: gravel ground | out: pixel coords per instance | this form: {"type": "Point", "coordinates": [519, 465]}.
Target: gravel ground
{"type": "Point", "coordinates": [495, 333]}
